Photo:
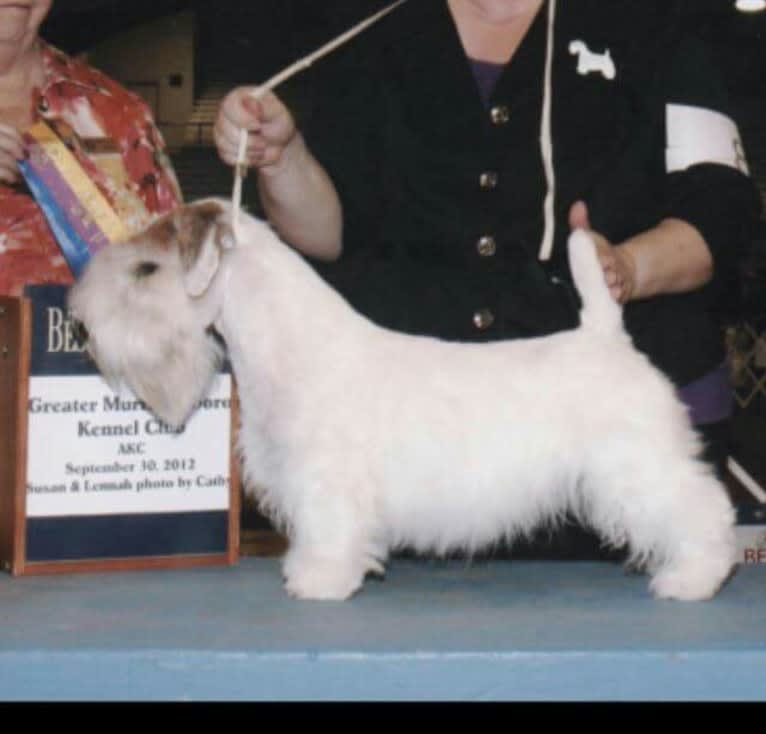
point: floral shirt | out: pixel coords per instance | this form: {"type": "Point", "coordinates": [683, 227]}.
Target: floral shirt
{"type": "Point", "coordinates": [111, 133]}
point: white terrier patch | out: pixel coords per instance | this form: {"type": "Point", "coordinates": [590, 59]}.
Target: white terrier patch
{"type": "Point", "coordinates": [358, 440]}
{"type": "Point", "coordinates": [589, 62]}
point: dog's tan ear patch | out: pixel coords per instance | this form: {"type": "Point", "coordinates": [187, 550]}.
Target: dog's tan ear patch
{"type": "Point", "coordinates": [193, 224]}
{"type": "Point", "coordinates": [162, 233]}
{"type": "Point", "coordinates": [200, 230]}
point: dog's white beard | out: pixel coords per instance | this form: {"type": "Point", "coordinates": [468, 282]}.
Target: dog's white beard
{"type": "Point", "coordinates": [170, 380]}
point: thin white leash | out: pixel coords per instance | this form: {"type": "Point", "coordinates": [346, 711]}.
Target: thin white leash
{"type": "Point", "coordinates": [240, 170]}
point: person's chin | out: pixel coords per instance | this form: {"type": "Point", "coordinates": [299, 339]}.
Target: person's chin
{"type": "Point", "coordinates": [19, 21]}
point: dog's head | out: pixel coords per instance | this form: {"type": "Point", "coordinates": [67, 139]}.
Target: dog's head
{"type": "Point", "coordinates": [147, 306]}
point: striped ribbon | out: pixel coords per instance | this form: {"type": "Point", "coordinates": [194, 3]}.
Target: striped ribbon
{"type": "Point", "coordinates": [81, 218]}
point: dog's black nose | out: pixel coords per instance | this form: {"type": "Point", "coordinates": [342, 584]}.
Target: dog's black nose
{"type": "Point", "coordinates": [79, 332]}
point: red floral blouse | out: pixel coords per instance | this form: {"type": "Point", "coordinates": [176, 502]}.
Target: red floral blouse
{"type": "Point", "coordinates": [112, 134]}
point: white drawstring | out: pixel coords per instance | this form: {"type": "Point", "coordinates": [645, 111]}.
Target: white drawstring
{"type": "Point", "coordinates": [546, 142]}
{"type": "Point", "coordinates": [240, 170]}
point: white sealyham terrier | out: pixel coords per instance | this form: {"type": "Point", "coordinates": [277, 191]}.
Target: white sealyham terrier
{"type": "Point", "coordinates": [358, 440]}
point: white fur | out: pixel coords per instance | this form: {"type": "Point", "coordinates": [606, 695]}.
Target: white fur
{"type": "Point", "coordinates": [359, 440]}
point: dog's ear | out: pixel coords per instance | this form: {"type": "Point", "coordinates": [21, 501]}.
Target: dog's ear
{"type": "Point", "coordinates": [198, 277]}
{"type": "Point", "coordinates": [203, 231]}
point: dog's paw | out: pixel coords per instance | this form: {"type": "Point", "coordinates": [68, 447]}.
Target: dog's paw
{"type": "Point", "coordinates": [687, 583]}
{"type": "Point", "coordinates": [323, 581]}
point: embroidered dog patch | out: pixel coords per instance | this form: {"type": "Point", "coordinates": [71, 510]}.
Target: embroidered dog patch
{"type": "Point", "coordinates": [589, 62]}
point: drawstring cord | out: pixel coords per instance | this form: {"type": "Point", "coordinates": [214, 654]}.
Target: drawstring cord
{"type": "Point", "coordinates": [546, 142]}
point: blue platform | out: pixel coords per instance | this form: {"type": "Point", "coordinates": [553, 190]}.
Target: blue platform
{"type": "Point", "coordinates": [432, 630]}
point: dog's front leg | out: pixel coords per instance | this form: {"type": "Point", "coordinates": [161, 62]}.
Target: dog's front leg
{"type": "Point", "coordinates": [329, 552]}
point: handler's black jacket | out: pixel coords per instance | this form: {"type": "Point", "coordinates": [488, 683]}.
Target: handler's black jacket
{"type": "Point", "coordinates": [443, 197]}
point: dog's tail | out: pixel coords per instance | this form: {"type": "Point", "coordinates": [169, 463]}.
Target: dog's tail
{"type": "Point", "coordinates": [599, 311]}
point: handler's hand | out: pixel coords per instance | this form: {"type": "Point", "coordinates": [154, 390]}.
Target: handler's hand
{"type": "Point", "coordinates": [270, 127]}
{"type": "Point", "coordinates": [11, 150]}
{"type": "Point", "coordinates": [617, 262]}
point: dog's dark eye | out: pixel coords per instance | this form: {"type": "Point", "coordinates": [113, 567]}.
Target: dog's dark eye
{"type": "Point", "coordinates": [79, 332]}
{"type": "Point", "coordinates": [145, 269]}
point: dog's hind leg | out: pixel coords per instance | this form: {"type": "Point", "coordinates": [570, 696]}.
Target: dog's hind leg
{"type": "Point", "coordinates": [700, 548]}
{"type": "Point", "coordinates": [673, 514]}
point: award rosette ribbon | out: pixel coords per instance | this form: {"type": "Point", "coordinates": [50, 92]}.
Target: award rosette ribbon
{"type": "Point", "coordinates": [81, 218]}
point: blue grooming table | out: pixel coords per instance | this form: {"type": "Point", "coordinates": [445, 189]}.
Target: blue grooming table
{"type": "Point", "coordinates": [432, 630]}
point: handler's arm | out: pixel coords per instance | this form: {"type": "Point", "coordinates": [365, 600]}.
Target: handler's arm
{"type": "Point", "coordinates": [301, 202]}
{"type": "Point", "coordinates": [672, 257]}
